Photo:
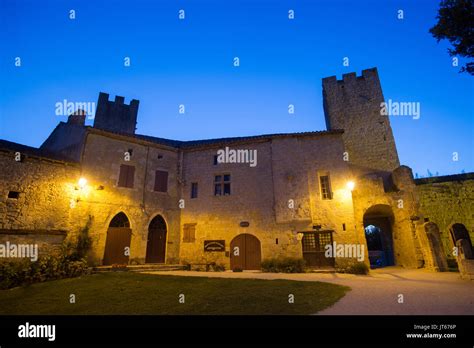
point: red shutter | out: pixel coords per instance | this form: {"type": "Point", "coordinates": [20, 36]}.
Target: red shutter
{"type": "Point", "coordinates": [126, 177]}
{"type": "Point", "coordinates": [122, 182]}
{"type": "Point", "coordinates": [161, 181]}
{"type": "Point", "coordinates": [130, 176]}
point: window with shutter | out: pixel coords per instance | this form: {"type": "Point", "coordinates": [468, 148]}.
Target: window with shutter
{"type": "Point", "coordinates": [189, 232]}
{"type": "Point", "coordinates": [325, 186]}
{"type": "Point", "coordinates": [161, 181]}
{"type": "Point", "coordinates": [126, 176]}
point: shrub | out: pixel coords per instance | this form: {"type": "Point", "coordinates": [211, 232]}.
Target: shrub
{"type": "Point", "coordinates": [69, 262]}
{"type": "Point", "coordinates": [354, 268]}
{"type": "Point", "coordinates": [284, 265]}
{"type": "Point", "coordinates": [217, 267]}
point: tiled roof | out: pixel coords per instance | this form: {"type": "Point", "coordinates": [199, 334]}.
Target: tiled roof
{"type": "Point", "coordinates": [204, 142]}
{"type": "Point", "coordinates": [31, 151]}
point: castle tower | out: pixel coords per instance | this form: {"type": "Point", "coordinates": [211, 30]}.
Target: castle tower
{"type": "Point", "coordinates": [115, 116]}
{"type": "Point", "coordinates": [353, 104]}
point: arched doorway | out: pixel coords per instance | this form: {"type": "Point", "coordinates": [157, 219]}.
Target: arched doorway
{"type": "Point", "coordinates": [437, 250]}
{"type": "Point", "coordinates": [117, 244]}
{"type": "Point", "coordinates": [245, 252]}
{"type": "Point", "coordinates": [156, 244]}
{"type": "Point", "coordinates": [378, 221]}
{"type": "Point", "coordinates": [459, 231]}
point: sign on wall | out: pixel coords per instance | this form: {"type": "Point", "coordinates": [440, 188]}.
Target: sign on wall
{"type": "Point", "coordinates": [214, 245]}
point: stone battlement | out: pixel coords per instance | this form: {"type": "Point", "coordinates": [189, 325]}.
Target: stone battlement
{"type": "Point", "coordinates": [116, 116]}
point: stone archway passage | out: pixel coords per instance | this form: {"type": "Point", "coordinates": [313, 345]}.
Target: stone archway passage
{"type": "Point", "coordinates": [245, 252]}
{"type": "Point", "coordinates": [378, 234]}
{"type": "Point", "coordinates": [156, 244]}
{"type": "Point", "coordinates": [118, 240]}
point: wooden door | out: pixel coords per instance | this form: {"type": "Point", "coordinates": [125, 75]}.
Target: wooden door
{"type": "Point", "coordinates": [156, 244]}
{"type": "Point", "coordinates": [314, 249]}
{"type": "Point", "coordinates": [116, 246]}
{"type": "Point", "coordinates": [245, 252]}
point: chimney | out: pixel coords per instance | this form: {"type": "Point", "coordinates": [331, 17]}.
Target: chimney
{"type": "Point", "coordinates": [78, 117]}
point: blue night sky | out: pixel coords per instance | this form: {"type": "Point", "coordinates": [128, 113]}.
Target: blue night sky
{"type": "Point", "coordinates": [190, 62]}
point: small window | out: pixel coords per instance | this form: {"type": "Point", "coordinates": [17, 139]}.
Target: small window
{"type": "Point", "coordinates": [13, 194]}
{"type": "Point", "coordinates": [215, 160]}
{"type": "Point", "coordinates": [325, 186]}
{"type": "Point", "coordinates": [194, 190]}
{"type": "Point", "coordinates": [189, 233]}
{"type": "Point", "coordinates": [222, 185]}
{"type": "Point", "coordinates": [126, 177]}
{"type": "Point", "coordinates": [161, 181]}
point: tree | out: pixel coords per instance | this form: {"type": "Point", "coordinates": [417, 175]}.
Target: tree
{"type": "Point", "coordinates": [456, 24]}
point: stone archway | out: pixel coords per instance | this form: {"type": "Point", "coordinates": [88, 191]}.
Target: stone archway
{"type": "Point", "coordinates": [117, 244]}
{"type": "Point", "coordinates": [436, 247]}
{"type": "Point", "coordinates": [459, 232]}
{"type": "Point", "coordinates": [378, 222]}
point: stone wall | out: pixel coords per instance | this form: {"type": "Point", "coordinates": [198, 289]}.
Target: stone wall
{"type": "Point", "coordinates": [103, 199]}
{"type": "Point", "coordinates": [445, 201]}
{"type": "Point", "coordinates": [287, 170]}
{"type": "Point", "coordinates": [41, 212]}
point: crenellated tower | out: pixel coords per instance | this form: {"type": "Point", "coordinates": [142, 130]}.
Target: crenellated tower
{"type": "Point", "coordinates": [116, 116]}
{"type": "Point", "coordinates": [354, 104]}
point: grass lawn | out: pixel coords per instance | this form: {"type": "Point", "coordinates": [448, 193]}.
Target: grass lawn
{"type": "Point", "coordinates": [134, 293]}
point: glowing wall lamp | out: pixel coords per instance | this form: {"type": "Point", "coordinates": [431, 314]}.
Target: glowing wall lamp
{"type": "Point", "coordinates": [82, 183]}
{"type": "Point", "coordinates": [350, 185]}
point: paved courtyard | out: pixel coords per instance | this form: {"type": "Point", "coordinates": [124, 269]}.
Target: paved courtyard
{"type": "Point", "coordinates": [378, 293]}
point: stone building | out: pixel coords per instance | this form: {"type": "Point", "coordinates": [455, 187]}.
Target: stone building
{"type": "Point", "coordinates": [145, 199]}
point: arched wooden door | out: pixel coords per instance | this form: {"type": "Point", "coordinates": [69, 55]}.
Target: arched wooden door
{"type": "Point", "coordinates": [117, 244]}
{"type": "Point", "coordinates": [156, 245]}
{"type": "Point", "coordinates": [245, 252]}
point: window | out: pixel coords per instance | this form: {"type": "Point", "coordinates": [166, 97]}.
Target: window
{"type": "Point", "coordinates": [13, 194]}
{"type": "Point", "coordinates": [222, 185]}
{"type": "Point", "coordinates": [194, 190]}
{"type": "Point", "coordinates": [325, 186]}
{"type": "Point", "coordinates": [215, 160]}
{"type": "Point", "coordinates": [126, 177]}
{"type": "Point", "coordinates": [161, 181]}
{"type": "Point", "coordinates": [189, 233]}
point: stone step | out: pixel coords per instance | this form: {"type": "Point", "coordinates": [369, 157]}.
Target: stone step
{"type": "Point", "coordinates": [321, 270]}
{"type": "Point", "coordinates": [140, 268]}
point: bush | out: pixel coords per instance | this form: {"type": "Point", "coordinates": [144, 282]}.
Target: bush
{"type": "Point", "coordinates": [217, 267]}
{"type": "Point", "coordinates": [69, 262]}
{"type": "Point", "coordinates": [284, 265]}
{"type": "Point", "coordinates": [354, 268]}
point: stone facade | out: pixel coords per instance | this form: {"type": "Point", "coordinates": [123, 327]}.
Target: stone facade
{"type": "Point", "coordinates": [35, 198]}
{"type": "Point", "coordinates": [444, 202]}
{"type": "Point", "coordinates": [276, 200]}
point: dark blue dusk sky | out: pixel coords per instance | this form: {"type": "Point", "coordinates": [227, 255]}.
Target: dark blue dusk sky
{"type": "Point", "coordinates": [190, 62]}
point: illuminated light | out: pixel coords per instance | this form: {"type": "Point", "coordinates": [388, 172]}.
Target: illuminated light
{"type": "Point", "coordinates": [82, 182]}
{"type": "Point", "coordinates": [350, 185]}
